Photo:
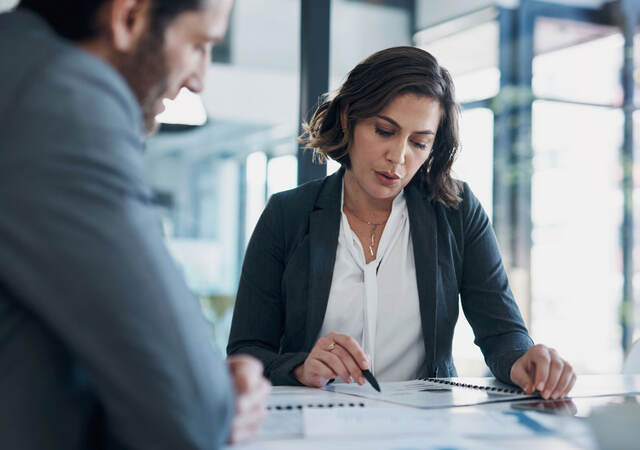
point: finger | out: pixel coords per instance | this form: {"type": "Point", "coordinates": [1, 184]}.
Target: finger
{"type": "Point", "coordinates": [243, 429]}
{"type": "Point", "coordinates": [335, 363]}
{"type": "Point", "coordinates": [352, 367]}
{"type": "Point", "coordinates": [556, 366]}
{"type": "Point", "coordinates": [352, 346]}
{"type": "Point", "coordinates": [318, 369]}
{"type": "Point", "coordinates": [257, 397]}
{"type": "Point", "coordinates": [572, 383]}
{"type": "Point", "coordinates": [563, 382]}
{"type": "Point", "coordinates": [246, 372]}
{"type": "Point", "coordinates": [520, 375]}
{"type": "Point", "coordinates": [540, 357]}
{"type": "Point", "coordinates": [323, 343]}
{"type": "Point", "coordinates": [250, 416]}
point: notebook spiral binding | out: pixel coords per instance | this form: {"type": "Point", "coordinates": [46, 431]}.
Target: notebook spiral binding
{"type": "Point", "coordinates": [316, 405]}
{"type": "Point", "coordinates": [475, 386]}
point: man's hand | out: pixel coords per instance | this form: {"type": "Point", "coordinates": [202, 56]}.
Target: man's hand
{"type": "Point", "coordinates": [251, 395]}
{"type": "Point", "coordinates": [542, 369]}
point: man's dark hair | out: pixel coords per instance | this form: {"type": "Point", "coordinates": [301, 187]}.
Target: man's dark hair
{"type": "Point", "coordinates": [77, 19]}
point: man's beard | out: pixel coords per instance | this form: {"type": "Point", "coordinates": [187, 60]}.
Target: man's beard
{"type": "Point", "coordinates": [146, 72]}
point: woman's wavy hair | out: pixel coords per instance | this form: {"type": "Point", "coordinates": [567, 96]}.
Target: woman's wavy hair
{"type": "Point", "coordinates": [369, 88]}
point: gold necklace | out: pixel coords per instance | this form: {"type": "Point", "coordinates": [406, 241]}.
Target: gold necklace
{"type": "Point", "coordinates": [373, 230]}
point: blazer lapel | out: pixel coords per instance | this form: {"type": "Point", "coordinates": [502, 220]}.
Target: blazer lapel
{"type": "Point", "coordinates": [324, 229]}
{"type": "Point", "coordinates": [422, 220]}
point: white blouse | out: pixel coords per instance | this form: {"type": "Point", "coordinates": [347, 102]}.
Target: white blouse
{"type": "Point", "coordinates": [377, 303]}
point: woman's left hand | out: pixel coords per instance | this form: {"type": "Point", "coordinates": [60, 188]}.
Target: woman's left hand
{"type": "Point", "coordinates": [542, 369]}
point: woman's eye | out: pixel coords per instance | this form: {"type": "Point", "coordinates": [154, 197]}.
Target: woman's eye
{"type": "Point", "coordinates": [382, 132]}
{"type": "Point", "coordinates": [420, 145]}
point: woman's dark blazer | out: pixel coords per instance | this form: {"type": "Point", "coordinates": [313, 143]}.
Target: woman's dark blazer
{"type": "Point", "coordinates": [286, 277]}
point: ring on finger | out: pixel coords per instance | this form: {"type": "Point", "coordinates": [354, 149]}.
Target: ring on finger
{"type": "Point", "coordinates": [331, 346]}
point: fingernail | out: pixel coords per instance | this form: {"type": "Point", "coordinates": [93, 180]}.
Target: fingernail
{"type": "Point", "coordinates": [541, 386]}
{"type": "Point", "coordinates": [362, 381]}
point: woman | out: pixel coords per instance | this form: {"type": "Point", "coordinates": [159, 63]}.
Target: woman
{"type": "Point", "coordinates": [363, 269]}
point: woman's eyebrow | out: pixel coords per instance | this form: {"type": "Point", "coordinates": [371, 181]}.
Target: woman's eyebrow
{"type": "Point", "coordinates": [397, 125]}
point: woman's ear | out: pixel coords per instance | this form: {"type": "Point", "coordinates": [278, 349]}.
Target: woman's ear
{"type": "Point", "coordinates": [128, 21]}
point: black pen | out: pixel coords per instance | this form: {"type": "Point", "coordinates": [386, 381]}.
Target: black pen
{"type": "Point", "coordinates": [371, 379]}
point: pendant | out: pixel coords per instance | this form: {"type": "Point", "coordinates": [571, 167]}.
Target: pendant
{"type": "Point", "coordinates": [373, 242]}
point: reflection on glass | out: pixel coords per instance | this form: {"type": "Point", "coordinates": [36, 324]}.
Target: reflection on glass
{"type": "Point", "coordinates": [577, 61]}
{"type": "Point", "coordinates": [576, 268]}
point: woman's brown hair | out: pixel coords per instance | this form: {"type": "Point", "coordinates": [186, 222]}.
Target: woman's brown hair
{"type": "Point", "coordinates": [369, 87]}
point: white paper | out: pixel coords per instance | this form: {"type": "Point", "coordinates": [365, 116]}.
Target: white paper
{"type": "Point", "coordinates": [287, 424]}
{"type": "Point", "coordinates": [367, 422]}
{"type": "Point", "coordinates": [424, 394]}
{"type": "Point", "coordinates": [283, 398]}
{"type": "Point", "coordinates": [422, 442]}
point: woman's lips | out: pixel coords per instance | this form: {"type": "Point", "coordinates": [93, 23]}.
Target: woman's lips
{"type": "Point", "coordinates": [387, 178]}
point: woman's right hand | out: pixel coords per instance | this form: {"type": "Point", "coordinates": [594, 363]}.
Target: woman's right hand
{"type": "Point", "coordinates": [334, 355]}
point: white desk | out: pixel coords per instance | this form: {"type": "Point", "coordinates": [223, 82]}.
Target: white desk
{"type": "Point", "coordinates": [568, 432]}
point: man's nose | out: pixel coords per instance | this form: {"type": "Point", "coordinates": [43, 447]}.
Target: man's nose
{"type": "Point", "coordinates": [195, 82]}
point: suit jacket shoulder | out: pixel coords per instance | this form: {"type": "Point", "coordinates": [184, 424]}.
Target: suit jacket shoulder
{"type": "Point", "coordinates": [61, 76]}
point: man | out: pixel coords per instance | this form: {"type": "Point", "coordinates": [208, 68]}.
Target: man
{"type": "Point", "coordinates": [101, 343]}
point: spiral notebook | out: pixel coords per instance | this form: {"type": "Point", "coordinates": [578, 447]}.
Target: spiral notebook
{"type": "Point", "coordinates": [436, 392]}
{"type": "Point", "coordinates": [285, 398]}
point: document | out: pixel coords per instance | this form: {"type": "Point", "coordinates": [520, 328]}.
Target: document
{"type": "Point", "coordinates": [282, 424]}
{"type": "Point", "coordinates": [297, 397]}
{"type": "Point", "coordinates": [428, 394]}
{"type": "Point", "coordinates": [368, 422]}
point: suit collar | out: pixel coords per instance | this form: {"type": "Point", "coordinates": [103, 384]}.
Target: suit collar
{"type": "Point", "coordinates": [424, 236]}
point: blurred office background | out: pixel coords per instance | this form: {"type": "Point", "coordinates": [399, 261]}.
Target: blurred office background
{"type": "Point", "coordinates": [551, 104]}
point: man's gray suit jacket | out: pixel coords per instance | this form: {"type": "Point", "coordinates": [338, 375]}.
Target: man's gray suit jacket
{"type": "Point", "coordinates": [101, 343]}
{"type": "Point", "coordinates": [287, 271]}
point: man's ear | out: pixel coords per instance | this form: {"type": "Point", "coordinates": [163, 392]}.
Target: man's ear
{"type": "Point", "coordinates": [128, 21]}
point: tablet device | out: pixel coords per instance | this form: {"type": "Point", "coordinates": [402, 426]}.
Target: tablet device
{"type": "Point", "coordinates": [578, 407]}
